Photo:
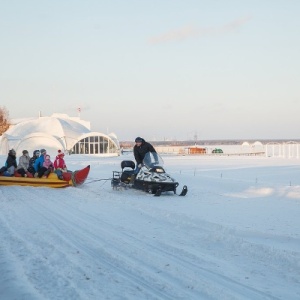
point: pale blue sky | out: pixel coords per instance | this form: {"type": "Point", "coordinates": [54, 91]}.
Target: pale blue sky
{"type": "Point", "coordinates": [157, 69]}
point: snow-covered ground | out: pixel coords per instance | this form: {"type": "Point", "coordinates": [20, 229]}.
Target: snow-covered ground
{"type": "Point", "coordinates": [236, 234]}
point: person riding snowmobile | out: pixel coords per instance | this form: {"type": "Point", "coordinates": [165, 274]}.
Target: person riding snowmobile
{"type": "Point", "coordinates": [151, 177]}
{"type": "Point", "coordinates": [139, 150]}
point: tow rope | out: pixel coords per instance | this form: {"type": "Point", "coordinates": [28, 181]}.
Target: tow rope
{"type": "Point", "coordinates": [96, 180]}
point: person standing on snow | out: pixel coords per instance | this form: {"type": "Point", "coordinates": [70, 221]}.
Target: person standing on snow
{"type": "Point", "coordinates": [139, 150]}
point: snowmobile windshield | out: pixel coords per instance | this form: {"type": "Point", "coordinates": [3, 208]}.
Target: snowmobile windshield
{"type": "Point", "coordinates": [152, 159]}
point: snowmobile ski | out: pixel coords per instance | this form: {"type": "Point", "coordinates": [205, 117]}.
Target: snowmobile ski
{"type": "Point", "coordinates": [184, 191]}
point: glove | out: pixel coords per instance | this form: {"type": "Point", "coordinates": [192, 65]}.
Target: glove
{"type": "Point", "coordinates": [139, 165]}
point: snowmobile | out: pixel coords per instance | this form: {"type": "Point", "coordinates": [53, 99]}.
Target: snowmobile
{"type": "Point", "coordinates": [151, 177]}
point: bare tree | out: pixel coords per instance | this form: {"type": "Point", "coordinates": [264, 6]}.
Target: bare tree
{"type": "Point", "coordinates": [4, 121]}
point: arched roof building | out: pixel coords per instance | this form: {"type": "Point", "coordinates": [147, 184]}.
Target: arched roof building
{"type": "Point", "coordinates": [59, 131]}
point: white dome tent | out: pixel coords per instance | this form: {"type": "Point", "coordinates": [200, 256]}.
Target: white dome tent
{"type": "Point", "coordinates": [59, 131]}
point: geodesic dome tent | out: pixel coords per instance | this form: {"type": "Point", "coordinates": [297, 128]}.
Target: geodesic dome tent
{"type": "Point", "coordinates": [59, 131]}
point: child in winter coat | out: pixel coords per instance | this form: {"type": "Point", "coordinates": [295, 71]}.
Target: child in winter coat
{"type": "Point", "coordinates": [60, 165]}
{"type": "Point", "coordinates": [23, 165]}
{"type": "Point", "coordinates": [47, 167]}
{"type": "Point", "coordinates": [35, 156]}
{"type": "Point", "coordinates": [10, 165]}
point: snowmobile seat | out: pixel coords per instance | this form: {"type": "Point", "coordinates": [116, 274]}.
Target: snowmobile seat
{"type": "Point", "coordinates": [128, 167]}
{"type": "Point", "coordinates": [128, 164]}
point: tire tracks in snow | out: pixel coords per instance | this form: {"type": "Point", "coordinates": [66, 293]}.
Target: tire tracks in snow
{"type": "Point", "coordinates": [62, 234]}
{"type": "Point", "coordinates": [237, 254]}
{"type": "Point", "coordinates": [99, 250]}
{"type": "Point", "coordinates": [181, 263]}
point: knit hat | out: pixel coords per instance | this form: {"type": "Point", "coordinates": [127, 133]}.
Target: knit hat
{"type": "Point", "coordinates": [60, 153]}
{"type": "Point", "coordinates": [138, 140]}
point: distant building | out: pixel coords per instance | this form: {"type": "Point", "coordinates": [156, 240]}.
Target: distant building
{"type": "Point", "coordinates": [196, 150]}
{"type": "Point", "coordinates": [59, 131]}
{"type": "Point", "coordinates": [217, 150]}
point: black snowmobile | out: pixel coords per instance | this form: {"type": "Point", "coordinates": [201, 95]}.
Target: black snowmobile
{"type": "Point", "coordinates": [151, 178]}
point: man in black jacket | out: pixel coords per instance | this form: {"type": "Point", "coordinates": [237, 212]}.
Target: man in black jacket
{"type": "Point", "coordinates": [139, 150]}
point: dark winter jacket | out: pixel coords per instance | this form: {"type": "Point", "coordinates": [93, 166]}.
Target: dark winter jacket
{"type": "Point", "coordinates": [140, 151]}
{"type": "Point", "coordinates": [11, 161]}
{"type": "Point", "coordinates": [32, 161]}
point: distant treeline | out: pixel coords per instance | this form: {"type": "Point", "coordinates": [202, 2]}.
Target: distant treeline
{"type": "Point", "coordinates": [129, 144]}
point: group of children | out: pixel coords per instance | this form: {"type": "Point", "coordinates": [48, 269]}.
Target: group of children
{"type": "Point", "coordinates": [39, 165]}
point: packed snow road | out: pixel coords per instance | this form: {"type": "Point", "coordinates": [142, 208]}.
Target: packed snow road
{"type": "Point", "coordinates": [222, 241]}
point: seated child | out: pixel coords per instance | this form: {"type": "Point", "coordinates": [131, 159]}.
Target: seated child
{"type": "Point", "coordinates": [60, 165]}
{"type": "Point", "coordinates": [47, 167]}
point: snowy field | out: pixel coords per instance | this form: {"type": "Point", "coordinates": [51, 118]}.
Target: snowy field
{"type": "Point", "coordinates": [236, 234]}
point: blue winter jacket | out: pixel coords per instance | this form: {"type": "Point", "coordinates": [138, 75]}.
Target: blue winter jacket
{"type": "Point", "coordinates": [39, 163]}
